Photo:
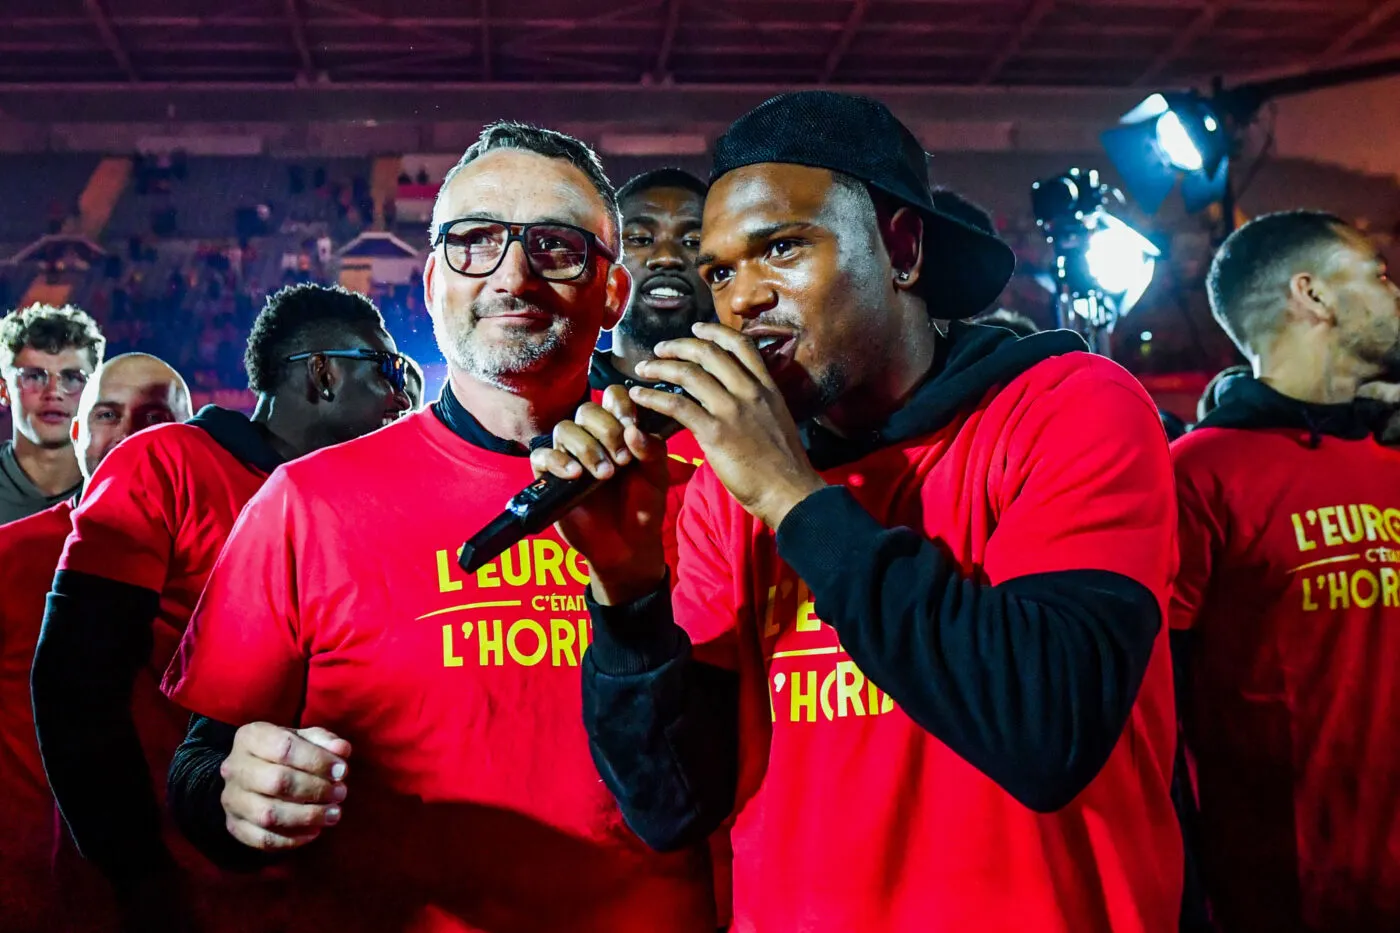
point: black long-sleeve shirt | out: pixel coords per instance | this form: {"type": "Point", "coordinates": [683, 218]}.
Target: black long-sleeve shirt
{"type": "Point", "coordinates": [1031, 681]}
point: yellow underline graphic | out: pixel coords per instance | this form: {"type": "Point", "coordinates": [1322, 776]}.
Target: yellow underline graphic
{"type": "Point", "coordinates": [1330, 560]}
{"type": "Point", "coordinates": [804, 652]}
{"type": "Point", "coordinates": [443, 612]}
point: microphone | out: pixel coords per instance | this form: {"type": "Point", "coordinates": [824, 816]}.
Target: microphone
{"type": "Point", "coordinates": [549, 498]}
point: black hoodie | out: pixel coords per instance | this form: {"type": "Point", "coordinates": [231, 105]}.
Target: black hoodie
{"type": "Point", "coordinates": [1249, 404]}
{"type": "Point", "coordinates": [664, 728]}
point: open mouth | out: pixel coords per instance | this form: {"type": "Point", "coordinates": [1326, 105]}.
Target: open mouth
{"type": "Point", "coordinates": [666, 293]}
{"type": "Point", "coordinates": [777, 349]}
{"type": "Point", "coordinates": [54, 416]}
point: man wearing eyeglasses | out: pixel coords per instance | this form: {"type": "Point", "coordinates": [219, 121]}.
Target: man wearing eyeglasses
{"type": "Point", "coordinates": [470, 802]}
{"type": "Point", "coordinates": [46, 356]}
{"type": "Point", "coordinates": [152, 520]}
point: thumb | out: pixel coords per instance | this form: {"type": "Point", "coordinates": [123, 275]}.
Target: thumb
{"type": "Point", "coordinates": [327, 740]}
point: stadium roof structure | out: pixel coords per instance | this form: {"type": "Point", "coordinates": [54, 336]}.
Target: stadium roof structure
{"type": "Point", "coordinates": [51, 44]}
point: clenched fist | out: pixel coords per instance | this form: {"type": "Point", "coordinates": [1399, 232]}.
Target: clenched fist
{"type": "Point", "coordinates": [282, 787]}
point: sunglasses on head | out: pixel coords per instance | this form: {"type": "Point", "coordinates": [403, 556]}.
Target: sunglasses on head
{"type": "Point", "coordinates": [392, 366]}
{"type": "Point", "coordinates": [556, 252]}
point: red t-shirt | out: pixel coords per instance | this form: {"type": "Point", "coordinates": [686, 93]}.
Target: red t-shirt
{"type": "Point", "coordinates": [1290, 581]}
{"type": "Point", "coordinates": [474, 803]}
{"type": "Point", "coordinates": [683, 447]}
{"type": "Point", "coordinates": [155, 515]}
{"type": "Point", "coordinates": [851, 816]}
{"type": "Point", "coordinates": [29, 550]}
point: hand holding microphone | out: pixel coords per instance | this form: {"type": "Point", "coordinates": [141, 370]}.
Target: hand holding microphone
{"type": "Point", "coordinates": [735, 411]}
{"type": "Point", "coordinates": [618, 526]}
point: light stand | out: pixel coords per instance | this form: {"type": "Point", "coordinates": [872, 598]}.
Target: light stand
{"type": "Point", "coordinates": [1102, 266]}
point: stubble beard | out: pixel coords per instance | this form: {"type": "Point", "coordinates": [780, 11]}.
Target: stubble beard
{"type": "Point", "coordinates": [497, 364]}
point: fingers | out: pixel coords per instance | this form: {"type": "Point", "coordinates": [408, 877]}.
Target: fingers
{"type": "Point", "coordinates": [606, 428]}
{"type": "Point", "coordinates": [590, 452]}
{"type": "Point", "coordinates": [740, 347]}
{"type": "Point", "coordinates": [546, 461]}
{"type": "Point", "coordinates": [326, 739]}
{"type": "Point", "coordinates": [283, 787]}
{"type": "Point", "coordinates": [273, 826]}
{"type": "Point", "coordinates": [279, 817]}
{"type": "Point", "coordinates": [284, 747]}
{"type": "Point", "coordinates": [722, 352]}
{"type": "Point", "coordinates": [679, 408]}
{"type": "Point", "coordinates": [598, 440]}
{"type": "Point", "coordinates": [697, 381]}
{"type": "Point", "coordinates": [268, 779]}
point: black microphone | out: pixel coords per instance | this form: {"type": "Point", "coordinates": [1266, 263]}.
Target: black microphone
{"type": "Point", "coordinates": [550, 498]}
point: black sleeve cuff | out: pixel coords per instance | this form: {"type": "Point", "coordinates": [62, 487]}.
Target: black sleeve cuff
{"type": "Point", "coordinates": [637, 636]}
{"type": "Point", "coordinates": [815, 537]}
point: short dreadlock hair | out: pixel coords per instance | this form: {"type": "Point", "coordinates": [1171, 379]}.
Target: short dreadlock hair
{"type": "Point", "coordinates": [299, 319]}
{"type": "Point", "coordinates": [50, 330]}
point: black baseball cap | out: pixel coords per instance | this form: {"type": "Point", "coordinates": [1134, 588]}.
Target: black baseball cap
{"type": "Point", "coordinates": [964, 268]}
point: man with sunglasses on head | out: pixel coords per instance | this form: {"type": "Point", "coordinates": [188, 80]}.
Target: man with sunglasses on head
{"type": "Point", "coordinates": [413, 732]}
{"type": "Point", "coordinates": [46, 356]}
{"type": "Point", "coordinates": [152, 520]}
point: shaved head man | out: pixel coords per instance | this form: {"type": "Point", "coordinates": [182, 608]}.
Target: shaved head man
{"type": "Point", "coordinates": [130, 392]}
{"type": "Point", "coordinates": [125, 395]}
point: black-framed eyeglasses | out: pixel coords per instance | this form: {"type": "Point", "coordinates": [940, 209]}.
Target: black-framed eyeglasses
{"type": "Point", "coordinates": [556, 252]}
{"type": "Point", "coordinates": [392, 366]}
{"type": "Point", "coordinates": [36, 379]}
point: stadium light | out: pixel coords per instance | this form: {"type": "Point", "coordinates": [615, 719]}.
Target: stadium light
{"type": "Point", "coordinates": [1188, 137]}
{"type": "Point", "coordinates": [1170, 137]}
{"type": "Point", "coordinates": [1102, 265]}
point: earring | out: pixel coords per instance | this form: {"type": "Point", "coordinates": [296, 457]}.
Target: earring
{"type": "Point", "coordinates": [328, 395]}
{"type": "Point", "coordinates": [902, 276]}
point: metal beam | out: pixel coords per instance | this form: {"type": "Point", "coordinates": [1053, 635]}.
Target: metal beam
{"type": "Point", "coordinates": [1205, 18]}
{"type": "Point", "coordinates": [668, 40]}
{"type": "Point", "coordinates": [1358, 31]}
{"type": "Point", "coordinates": [484, 40]}
{"type": "Point", "coordinates": [1035, 14]}
{"type": "Point", "coordinates": [98, 14]}
{"type": "Point", "coordinates": [844, 40]}
{"type": "Point", "coordinates": [296, 22]}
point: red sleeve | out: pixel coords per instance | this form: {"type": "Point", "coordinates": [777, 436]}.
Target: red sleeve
{"type": "Point", "coordinates": [1088, 484]}
{"type": "Point", "coordinates": [1200, 532]}
{"type": "Point", "coordinates": [679, 475]}
{"type": "Point", "coordinates": [127, 523]}
{"type": "Point", "coordinates": [704, 598]}
{"type": "Point", "coordinates": [241, 659]}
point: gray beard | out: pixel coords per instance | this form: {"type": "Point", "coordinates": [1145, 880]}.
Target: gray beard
{"type": "Point", "coordinates": [495, 365]}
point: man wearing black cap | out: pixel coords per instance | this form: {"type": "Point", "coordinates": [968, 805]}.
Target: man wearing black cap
{"type": "Point", "coordinates": [916, 640]}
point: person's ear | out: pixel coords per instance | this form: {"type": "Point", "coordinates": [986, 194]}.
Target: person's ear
{"type": "Point", "coordinates": [619, 291]}
{"type": "Point", "coordinates": [1312, 297]}
{"type": "Point", "coordinates": [4, 393]}
{"type": "Point", "coordinates": [903, 233]}
{"type": "Point", "coordinates": [322, 377]}
{"type": "Point", "coordinates": [429, 276]}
